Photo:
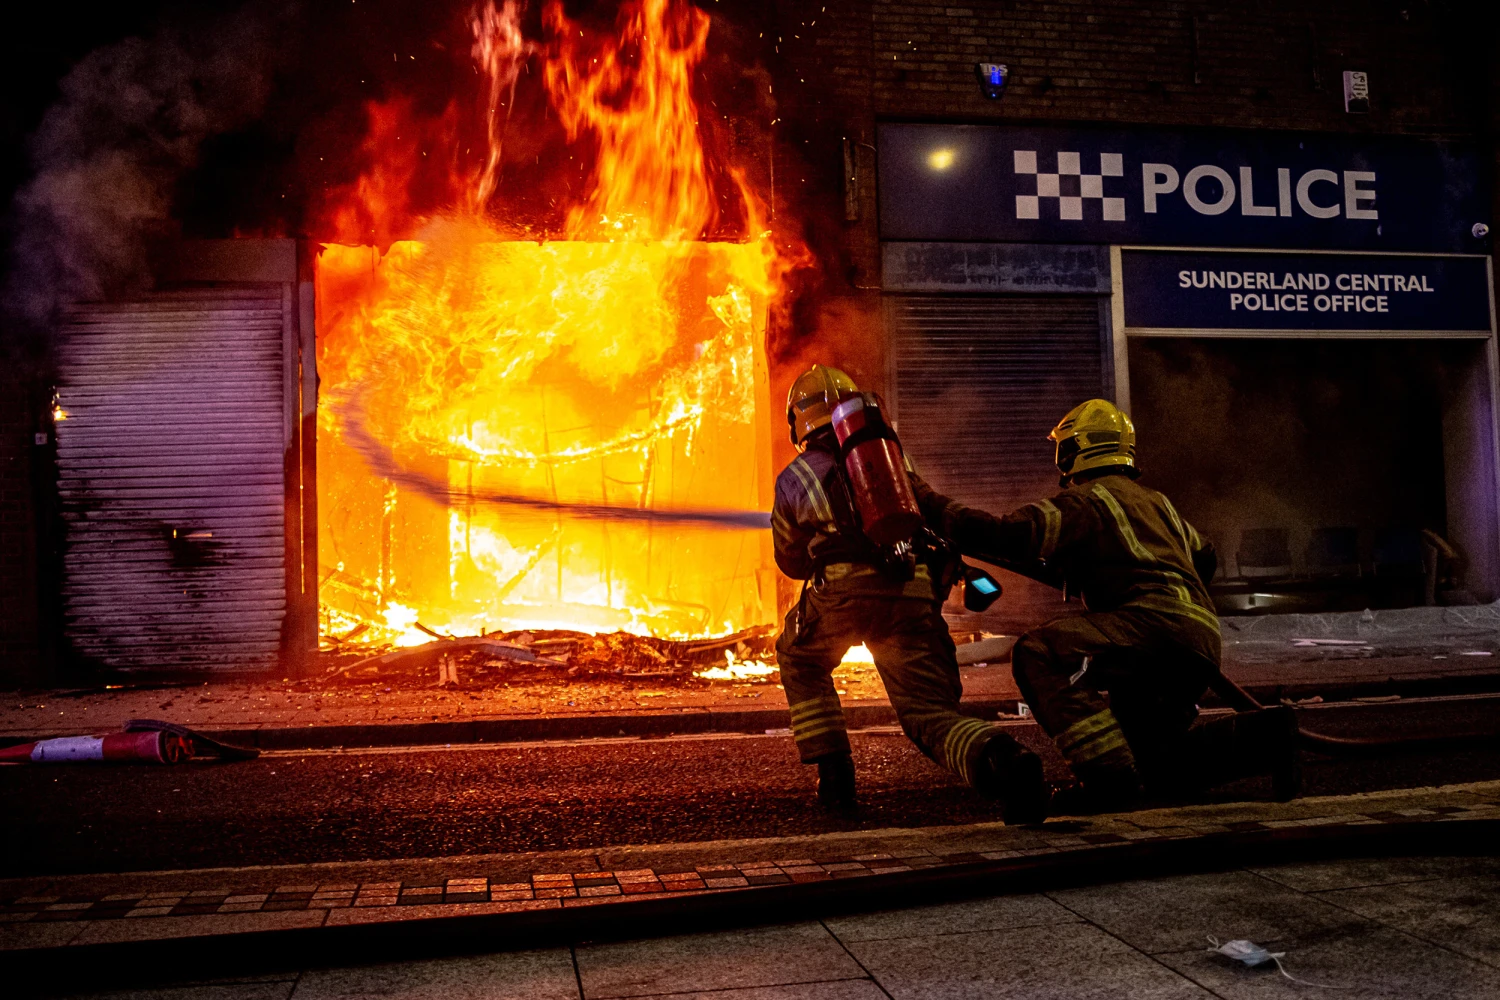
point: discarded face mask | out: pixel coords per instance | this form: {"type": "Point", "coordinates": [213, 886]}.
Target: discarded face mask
{"type": "Point", "coordinates": [1253, 955]}
{"type": "Point", "coordinates": [1248, 952]}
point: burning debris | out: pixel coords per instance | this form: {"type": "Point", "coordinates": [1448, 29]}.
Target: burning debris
{"type": "Point", "coordinates": [556, 656]}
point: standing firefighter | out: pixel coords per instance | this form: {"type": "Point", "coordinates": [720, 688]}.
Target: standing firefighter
{"type": "Point", "coordinates": [832, 533]}
{"type": "Point", "coordinates": [1149, 637]}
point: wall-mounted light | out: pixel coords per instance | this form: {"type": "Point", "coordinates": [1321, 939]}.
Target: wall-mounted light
{"type": "Point", "coordinates": [940, 159]}
{"type": "Point", "coordinates": [992, 77]}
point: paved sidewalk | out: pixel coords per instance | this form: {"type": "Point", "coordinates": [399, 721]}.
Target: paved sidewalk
{"type": "Point", "coordinates": [1401, 927]}
{"type": "Point", "coordinates": [1411, 647]}
{"type": "Point", "coordinates": [290, 716]}
{"type": "Point", "coordinates": [1415, 651]}
{"type": "Point", "coordinates": [83, 912]}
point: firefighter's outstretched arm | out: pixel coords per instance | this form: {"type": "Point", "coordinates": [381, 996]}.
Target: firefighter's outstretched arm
{"type": "Point", "coordinates": [1015, 541]}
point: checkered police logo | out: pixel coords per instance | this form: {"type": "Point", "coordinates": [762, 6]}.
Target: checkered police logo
{"type": "Point", "coordinates": [1070, 186]}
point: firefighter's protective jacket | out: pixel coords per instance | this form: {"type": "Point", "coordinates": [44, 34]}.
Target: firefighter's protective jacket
{"type": "Point", "coordinates": [817, 538]}
{"type": "Point", "coordinates": [1110, 540]}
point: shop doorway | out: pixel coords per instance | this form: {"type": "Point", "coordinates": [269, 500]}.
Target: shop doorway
{"type": "Point", "coordinates": [1332, 474]}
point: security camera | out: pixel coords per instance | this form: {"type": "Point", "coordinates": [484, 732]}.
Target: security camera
{"type": "Point", "coordinates": [1480, 230]}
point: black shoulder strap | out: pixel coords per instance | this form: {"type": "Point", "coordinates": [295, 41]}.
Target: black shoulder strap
{"type": "Point", "coordinates": [841, 500]}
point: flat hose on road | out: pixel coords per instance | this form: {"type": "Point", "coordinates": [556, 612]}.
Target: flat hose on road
{"type": "Point", "coordinates": [1343, 746]}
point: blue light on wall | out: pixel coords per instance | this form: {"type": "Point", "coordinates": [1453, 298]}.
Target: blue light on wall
{"type": "Point", "coordinates": [992, 77]}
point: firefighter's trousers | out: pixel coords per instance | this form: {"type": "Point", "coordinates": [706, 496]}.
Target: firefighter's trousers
{"type": "Point", "coordinates": [915, 657]}
{"type": "Point", "coordinates": [1155, 667]}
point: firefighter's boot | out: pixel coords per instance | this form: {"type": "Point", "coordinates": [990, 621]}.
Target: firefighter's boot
{"type": "Point", "coordinates": [1013, 774]}
{"type": "Point", "coordinates": [836, 782]}
{"type": "Point", "coordinates": [1244, 745]}
{"type": "Point", "coordinates": [1098, 791]}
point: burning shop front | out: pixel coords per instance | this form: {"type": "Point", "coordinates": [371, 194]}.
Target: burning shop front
{"type": "Point", "coordinates": [539, 440]}
{"type": "Point", "coordinates": [514, 400]}
{"type": "Point", "coordinates": [1301, 324]}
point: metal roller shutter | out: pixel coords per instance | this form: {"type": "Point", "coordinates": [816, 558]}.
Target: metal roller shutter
{"type": "Point", "coordinates": [979, 382]}
{"type": "Point", "coordinates": [171, 479]}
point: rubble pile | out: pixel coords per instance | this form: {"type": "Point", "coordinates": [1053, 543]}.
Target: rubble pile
{"type": "Point", "coordinates": [556, 656]}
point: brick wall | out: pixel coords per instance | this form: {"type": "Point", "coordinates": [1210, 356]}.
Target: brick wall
{"type": "Point", "coordinates": [841, 65]}
{"type": "Point", "coordinates": [1260, 64]}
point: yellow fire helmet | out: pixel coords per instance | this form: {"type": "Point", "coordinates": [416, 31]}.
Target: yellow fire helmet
{"type": "Point", "coordinates": [1094, 434]}
{"type": "Point", "coordinates": [807, 408]}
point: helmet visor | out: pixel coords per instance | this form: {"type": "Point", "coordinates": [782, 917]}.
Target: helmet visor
{"type": "Point", "coordinates": [1067, 454]}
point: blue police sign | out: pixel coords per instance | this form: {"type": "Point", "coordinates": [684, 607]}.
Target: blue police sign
{"type": "Point", "coordinates": [1184, 188]}
{"type": "Point", "coordinates": [1184, 290]}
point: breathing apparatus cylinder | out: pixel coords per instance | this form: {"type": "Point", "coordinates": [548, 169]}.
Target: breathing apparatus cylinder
{"type": "Point", "coordinates": [887, 505]}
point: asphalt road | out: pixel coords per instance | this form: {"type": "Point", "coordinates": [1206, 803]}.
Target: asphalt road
{"type": "Point", "coordinates": [309, 806]}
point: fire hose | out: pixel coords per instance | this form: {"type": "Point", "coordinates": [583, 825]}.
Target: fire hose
{"type": "Point", "coordinates": [349, 403]}
{"type": "Point", "coordinates": [1341, 746]}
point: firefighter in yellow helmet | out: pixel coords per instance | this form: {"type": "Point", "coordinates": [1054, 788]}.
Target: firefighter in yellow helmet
{"type": "Point", "coordinates": [1149, 638]}
{"type": "Point", "coordinates": [855, 592]}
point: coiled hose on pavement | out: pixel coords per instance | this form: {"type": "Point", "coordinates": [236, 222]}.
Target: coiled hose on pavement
{"type": "Point", "coordinates": [1344, 746]}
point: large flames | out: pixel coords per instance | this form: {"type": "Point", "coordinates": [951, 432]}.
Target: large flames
{"type": "Point", "coordinates": [607, 380]}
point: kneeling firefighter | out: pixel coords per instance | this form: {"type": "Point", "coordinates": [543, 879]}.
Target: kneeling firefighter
{"type": "Point", "coordinates": [1149, 637]}
{"type": "Point", "coordinates": [847, 522]}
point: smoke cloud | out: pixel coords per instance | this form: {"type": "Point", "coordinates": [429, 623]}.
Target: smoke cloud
{"type": "Point", "coordinates": [108, 156]}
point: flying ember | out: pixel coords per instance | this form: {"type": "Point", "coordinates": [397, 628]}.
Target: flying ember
{"type": "Point", "coordinates": [567, 433]}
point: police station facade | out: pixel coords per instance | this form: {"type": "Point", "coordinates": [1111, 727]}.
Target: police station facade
{"type": "Point", "coordinates": [1302, 325]}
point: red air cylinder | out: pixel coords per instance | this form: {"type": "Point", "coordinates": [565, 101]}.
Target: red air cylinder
{"type": "Point", "coordinates": [887, 506]}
